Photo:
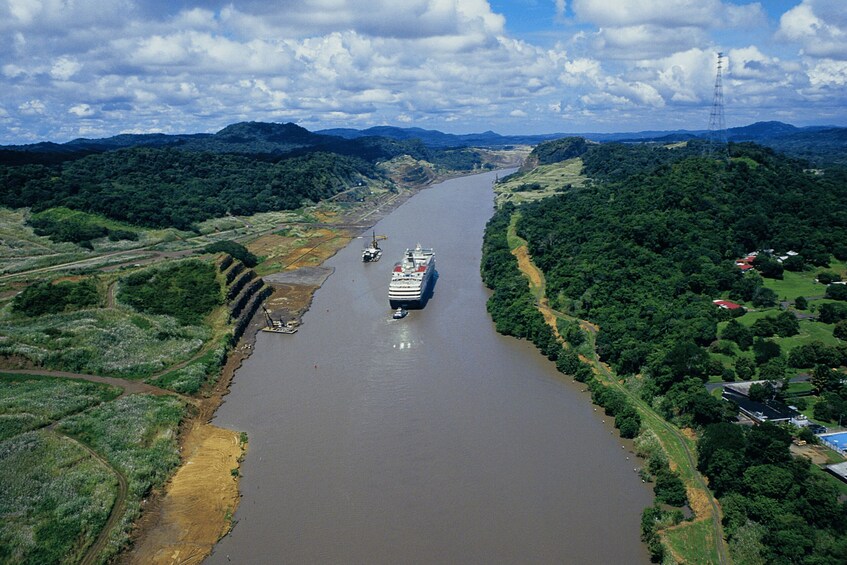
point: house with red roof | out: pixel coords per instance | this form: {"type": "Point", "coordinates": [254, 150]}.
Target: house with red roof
{"type": "Point", "coordinates": [726, 304]}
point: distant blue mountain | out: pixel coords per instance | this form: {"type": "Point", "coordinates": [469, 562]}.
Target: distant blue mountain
{"type": "Point", "coordinates": [262, 138]}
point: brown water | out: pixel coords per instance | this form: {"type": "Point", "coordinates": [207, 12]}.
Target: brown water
{"type": "Point", "coordinates": [430, 439]}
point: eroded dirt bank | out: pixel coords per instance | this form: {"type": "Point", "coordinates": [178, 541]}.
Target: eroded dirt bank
{"type": "Point", "coordinates": [199, 501]}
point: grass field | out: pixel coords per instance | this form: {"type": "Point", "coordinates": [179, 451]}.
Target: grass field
{"type": "Point", "coordinates": [56, 495]}
{"type": "Point", "coordinates": [102, 341]}
{"type": "Point", "coordinates": [793, 285]}
{"type": "Point", "coordinates": [55, 498]}
{"type": "Point", "coordinates": [549, 179]}
{"type": "Point", "coordinates": [190, 378]}
{"type": "Point", "coordinates": [28, 402]}
{"type": "Point", "coordinates": [21, 249]}
{"type": "Point", "coordinates": [137, 434]}
{"type": "Point", "coordinates": [686, 542]}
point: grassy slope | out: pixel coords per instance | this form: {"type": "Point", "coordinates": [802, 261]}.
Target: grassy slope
{"type": "Point", "coordinates": [551, 178]}
{"type": "Point", "coordinates": [56, 495]}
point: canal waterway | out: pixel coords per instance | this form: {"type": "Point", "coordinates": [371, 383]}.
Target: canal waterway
{"type": "Point", "coordinates": [430, 439]}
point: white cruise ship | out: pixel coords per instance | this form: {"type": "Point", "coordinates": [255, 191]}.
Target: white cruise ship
{"type": "Point", "coordinates": [412, 278]}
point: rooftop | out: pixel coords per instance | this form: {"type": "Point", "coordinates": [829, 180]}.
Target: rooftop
{"type": "Point", "coordinates": [767, 411]}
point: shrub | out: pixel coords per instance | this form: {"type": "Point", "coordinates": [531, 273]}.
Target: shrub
{"type": "Point", "coordinates": [187, 290]}
{"type": "Point", "coordinates": [48, 298]}
{"type": "Point", "coordinates": [828, 277]}
{"type": "Point", "coordinates": [837, 291]}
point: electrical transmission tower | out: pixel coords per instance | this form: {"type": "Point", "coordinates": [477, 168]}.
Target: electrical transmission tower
{"type": "Point", "coordinates": [717, 127]}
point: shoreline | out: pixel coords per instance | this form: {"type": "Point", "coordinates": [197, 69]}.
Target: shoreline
{"type": "Point", "coordinates": [183, 522]}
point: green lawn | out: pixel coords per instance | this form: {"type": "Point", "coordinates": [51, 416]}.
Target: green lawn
{"type": "Point", "coordinates": [686, 541]}
{"type": "Point", "coordinates": [793, 285]}
{"type": "Point", "coordinates": [550, 179]}
{"type": "Point", "coordinates": [809, 332]}
{"type": "Point", "coordinates": [798, 388]}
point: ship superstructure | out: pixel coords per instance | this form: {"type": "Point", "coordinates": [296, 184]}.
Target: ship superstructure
{"type": "Point", "coordinates": [412, 278]}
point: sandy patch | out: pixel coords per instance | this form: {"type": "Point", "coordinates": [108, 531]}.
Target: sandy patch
{"type": "Point", "coordinates": [527, 267]}
{"type": "Point", "coordinates": [699, 502]}
{"type": "Point", "coordinates": [199, 501]}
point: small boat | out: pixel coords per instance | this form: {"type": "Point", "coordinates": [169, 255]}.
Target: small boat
{"type": "Point", "coordinates": [400, 313]}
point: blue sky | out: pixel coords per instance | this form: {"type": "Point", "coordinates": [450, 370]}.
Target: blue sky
{"type": "Point", "coordinates": [93, 68]}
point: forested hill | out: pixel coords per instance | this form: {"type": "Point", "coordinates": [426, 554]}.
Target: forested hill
{"type": "Point", "coordinates": [269, 141]}
{"type": "Point", "coordinates": [170, 188]}
{"type": "Point", "coordinates": [175, 181]}
{"type": "Point", "coordinates": [646, 247]}
{"type": "Point", "coordinates": [642, 250]}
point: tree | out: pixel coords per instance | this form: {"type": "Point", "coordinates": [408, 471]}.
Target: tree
{"type": "Point", "coordinates": [767, 480]}
{"type": "Point", "coordinates": [235, 249]}
{"type": "Point", "coordinates": [768, 266]}
{"type": "Point", "coordinates": [764, 298]}
{"type": "Point", "coordinates": [828, 277]}
{"type": "Point", "coordinates": [764, 350]}
{"type": "Point", "coordinates": [774, 369]}
{"type": "Point", "coordinates": [764, 327]}
{"type": "Point", "coordinates": [836, 292]}
{"type": "Point", "coordinates": [786, 324]}
{"type": "Point", "coordinates": [739, 333]}
{"type": "Point", "coordinates": [830, 407]}
{"type": "Point", "coordinates": [801, 303]}
{"type": "Point", "coordinates": [832, 312]}
{"type": "Point", "coordinates": [669, 488]}
{"type": "Point", "coordinates": [745, 368]}
{"type": "Point", "coordinates": [825, 379]}
{"type": "Point", "coordinates": [840, 330]}
{"type": "Point", "coordinates": [794, 263]}
{"type": "Point", "coordinates": [759, 392]}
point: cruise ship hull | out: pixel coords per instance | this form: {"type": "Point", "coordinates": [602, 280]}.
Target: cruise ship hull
{"type": "Point", "coordinates": [412, 300]}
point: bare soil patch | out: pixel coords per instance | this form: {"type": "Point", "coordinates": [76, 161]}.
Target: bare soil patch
{"type": "Point", "coordinates": [199, 500]}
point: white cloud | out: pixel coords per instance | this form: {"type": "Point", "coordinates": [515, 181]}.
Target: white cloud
{"type": "Point", "coordinates": [818, 26]}
{"type": "Point", "coordinates": [666, 13]}
{"type": "Point", "coordinates": [748, 63]}
{"type": "Point", "coordinates": [82, 110]}
{"type": "Point", "coordinates": [32, 108]}
{"type": "Point", "coordinates": [828, 73]}
{"type": "Point", "coordinates": [64, 68]}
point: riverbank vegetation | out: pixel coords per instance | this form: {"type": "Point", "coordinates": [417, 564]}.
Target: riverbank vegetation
{"type": "Point", "coordinates": [641, 251]}
{"type": "Point", "coordinates": [66, 448]}
{"type": "Point", "coordinates": [137, 435]}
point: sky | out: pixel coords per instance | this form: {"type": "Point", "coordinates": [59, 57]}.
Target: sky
{"type": "Point", "coordinates": [95, 68]}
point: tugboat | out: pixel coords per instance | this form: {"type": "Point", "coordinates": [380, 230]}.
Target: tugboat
{"type": "Point", "coordinates": [400, 313]}
{"type": "Point", "coordinates": [372, 253]}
